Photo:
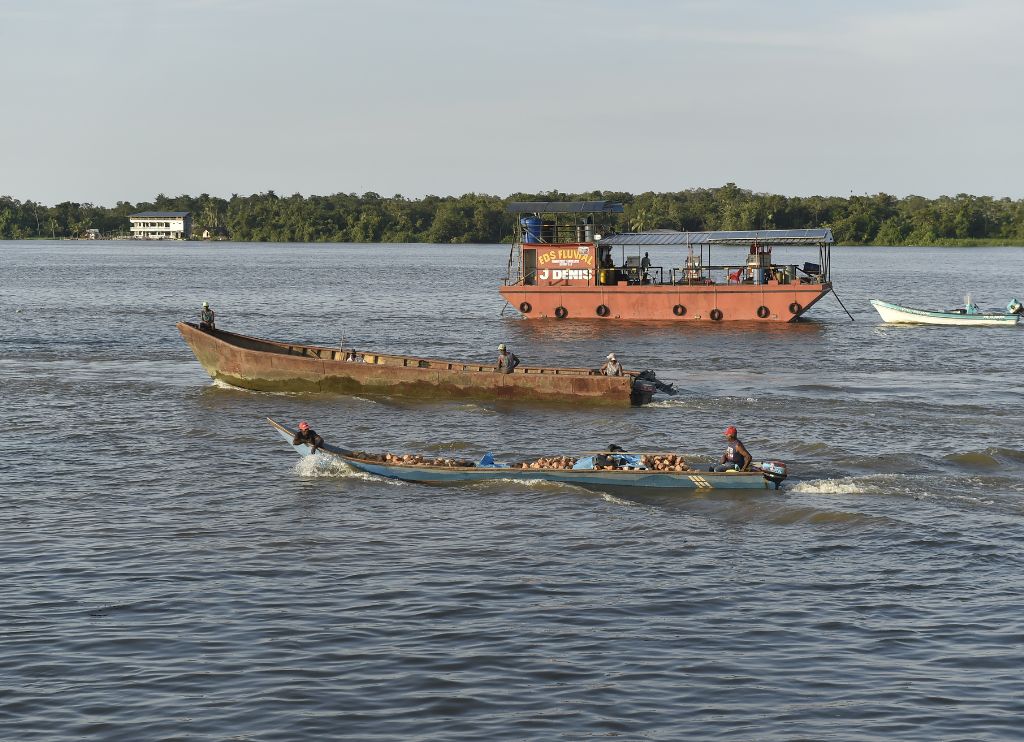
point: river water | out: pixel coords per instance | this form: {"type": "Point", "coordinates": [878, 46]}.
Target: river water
{"type": "Point", "coordinates": [172, 570]}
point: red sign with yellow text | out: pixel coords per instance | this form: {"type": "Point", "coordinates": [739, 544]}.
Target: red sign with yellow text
{"type": "Point", "coordinates": [566, 264]}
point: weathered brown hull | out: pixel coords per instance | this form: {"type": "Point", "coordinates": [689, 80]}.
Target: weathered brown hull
{"type": "Point", "coordinates": [269, 366]}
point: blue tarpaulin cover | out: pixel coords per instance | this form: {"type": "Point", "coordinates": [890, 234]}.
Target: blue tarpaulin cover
{"type": "Point", "coordinates": [619, 459]}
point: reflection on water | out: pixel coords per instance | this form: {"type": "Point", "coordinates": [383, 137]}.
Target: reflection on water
{"type": "Point", "coordinates": [596, 329]}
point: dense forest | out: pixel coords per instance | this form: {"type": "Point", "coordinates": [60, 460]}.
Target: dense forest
{"type": "Point", "coordinates": [877, 219]}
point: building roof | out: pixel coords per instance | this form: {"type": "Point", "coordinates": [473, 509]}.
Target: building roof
{"type": "Point", "coordinates": [564, 207]}
{"type": "Point", "coordinates": [159, 214]}
{"type": "Point", "coordinates": [741, 237]}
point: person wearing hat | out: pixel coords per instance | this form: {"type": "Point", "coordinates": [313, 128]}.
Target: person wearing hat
{"type": "Point", "coordinates": [206, 318]}
{"type": "Point", "coordinates": [308, 436]}
{"type": "Point", "coordinates": [736, 456]}
{"type": "Point", "coordinates": [611, 366]}
{"type": "Point", "coordinates": [507, 360]}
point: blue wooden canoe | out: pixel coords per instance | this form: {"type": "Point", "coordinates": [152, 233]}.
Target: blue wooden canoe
{"type": "Point", "coordinates": [768, 475]}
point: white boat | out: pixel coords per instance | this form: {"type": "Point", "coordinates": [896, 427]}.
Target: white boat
{"type": "Point", "coordinates": [969, 314]}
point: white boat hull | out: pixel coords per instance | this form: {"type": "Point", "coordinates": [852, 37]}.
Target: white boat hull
{"type": "Point", "coordinates": [894, 313]}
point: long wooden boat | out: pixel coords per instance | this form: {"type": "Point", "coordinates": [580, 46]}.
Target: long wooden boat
{"type": "Point", "coordinates": [969, 315]}
{"type": "Point", "coordinates": [566, 262]}
{"type": "Point", "coordinates": [628, 474]}
{"type": "Point", "coordinates": [272, 366]}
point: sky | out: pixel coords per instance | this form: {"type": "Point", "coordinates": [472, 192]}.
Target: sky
{"type": "Point", "coordinates": [120, 100]}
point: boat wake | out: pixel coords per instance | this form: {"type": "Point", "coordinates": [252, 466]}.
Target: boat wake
{"type": "Point", "coordinates": [224, 385]}
{"type": "Point", "coordinates": [541, 485]}
{"type": "Point", "coordinates": [697, 402]}
{"type": "Point", "coordinates": [618, 500]}
{"type": "Point", "coordinates": [312, 467]}
{"type": "Point", "coordinates": [866, 484]}
{"type": "Point", "coordinates": [365, 399]}
{"type": "Point", "coordinates": [669, 404]}
{"type": "Point", "coordinates": [475, 407]}
{"type": "Point", "coordinates": [975, 489]}
{"type": "Point", "coordinates": [220, 384]}
{"type": "Point", "coordinates": [318, 466]}
{"type": "Point", "coordinates": [841, 486]}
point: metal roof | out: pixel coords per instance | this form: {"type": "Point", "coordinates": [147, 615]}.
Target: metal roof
{"type": "Point", "coordinates": [741, 237]}
{"type": "Point", "coordinates": [160, 214]}
{"type": "Point", "coordinates": [564, 207]}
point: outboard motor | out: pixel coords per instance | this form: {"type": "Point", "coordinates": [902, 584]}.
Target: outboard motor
{"type": "Point", "coordinates": [661, 386]}
{"type": "Point", "coordinates": [1015, 307]}
{"type": "Point", "coordinates": [774, 471]}
{"type": "Point", "coordinates": [641, 392]}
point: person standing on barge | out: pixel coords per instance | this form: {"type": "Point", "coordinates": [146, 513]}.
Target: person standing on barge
{"type": "Point", "coordinates": [507, 360]}
{"type": "Point", "coordinates": [612, 367]}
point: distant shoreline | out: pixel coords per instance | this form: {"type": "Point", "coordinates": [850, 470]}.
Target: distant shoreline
{"type": "Point", "coordinates": [883, 220]}
{"type": "Point", "coordinates": [951, 244]}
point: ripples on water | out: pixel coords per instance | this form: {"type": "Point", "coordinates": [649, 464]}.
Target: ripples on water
{"type": "Point", "coordinates": [171, 570]}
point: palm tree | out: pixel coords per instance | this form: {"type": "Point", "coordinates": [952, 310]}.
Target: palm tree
{"type": "Point", "coordinates": [640, 220]}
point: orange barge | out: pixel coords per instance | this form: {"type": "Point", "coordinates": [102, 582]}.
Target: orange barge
{"type": "Point", "coordinates": [566, 262]}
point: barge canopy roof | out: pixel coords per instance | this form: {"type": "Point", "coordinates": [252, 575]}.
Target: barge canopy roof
{"type": "Point", "coordinates": [564, 207]}
{"type": "Point", "coordinates": [741, 237]}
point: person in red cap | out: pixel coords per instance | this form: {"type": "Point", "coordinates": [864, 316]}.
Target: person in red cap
{"type": "Point", "coordinates": [736, 456]}
{"type": "Point", "coordinates": [308, 436]}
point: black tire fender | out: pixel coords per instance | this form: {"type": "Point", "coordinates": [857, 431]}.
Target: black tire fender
{"type": "Point", "coordinates": [716, 314]}
{"type": "Point", "coordinates": [602, 310]}
{"type": "Point", "coordinates": [525, 307]}
{"type": "Point", "coordinates": [679, 310]}
{"type": "Point", "coordinates": [763, 312]}
{"type": "Point", "coordinates": [561, 312]}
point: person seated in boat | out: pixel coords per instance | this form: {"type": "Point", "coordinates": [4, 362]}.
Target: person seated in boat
{"type": "Point", "coordinates": [308, 436]}
{"type": "Point", "coordinates": [736, 456]}
{"type": "Point", "coordinates": [969, 307]}
{"type": "Point", "coordinates": [611, 366]}
{"type": "Point", "coordinates": [507, 360]}
{"type": "Point", "coordinates": [207, 318]}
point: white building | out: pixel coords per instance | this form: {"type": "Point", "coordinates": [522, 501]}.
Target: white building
{"type": "Point", "coordinates": [161, 225]}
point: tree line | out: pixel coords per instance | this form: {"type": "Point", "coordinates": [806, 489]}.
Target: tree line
{"type": "Point", "coordinates": [878, 219]}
